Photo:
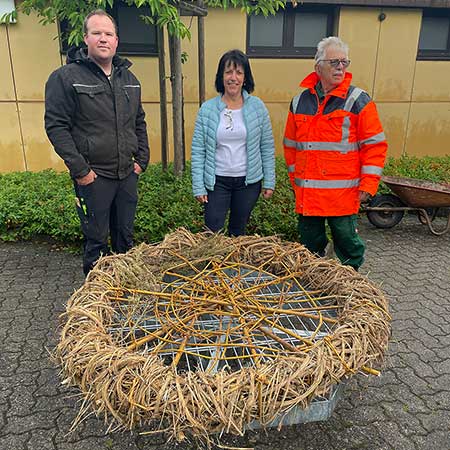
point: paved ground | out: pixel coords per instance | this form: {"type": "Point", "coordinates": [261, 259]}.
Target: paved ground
{"type": "Point", "coordinates": [408, 408]}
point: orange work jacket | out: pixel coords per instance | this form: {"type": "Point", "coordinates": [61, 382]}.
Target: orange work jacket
{"type": "Point", "coordinates": [333, 149]}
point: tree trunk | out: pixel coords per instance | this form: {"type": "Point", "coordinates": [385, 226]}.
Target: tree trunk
{"type": "Point", "coordinates": [177, 108]}
{"type": "Point", "coordinates": [201, 57]}
{"type": "Point", "coordinates": [162, 97]}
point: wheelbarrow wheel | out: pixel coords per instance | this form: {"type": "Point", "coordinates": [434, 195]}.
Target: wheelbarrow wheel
{"type": "Point", "coordinates": [386, 218]}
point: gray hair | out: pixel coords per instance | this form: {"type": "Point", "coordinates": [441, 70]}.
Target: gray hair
{"type": "Point", "coordinates": [331, 41]}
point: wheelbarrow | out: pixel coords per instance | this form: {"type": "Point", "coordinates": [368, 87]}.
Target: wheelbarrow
{"type": "Point", "coordinates": [409, 194]}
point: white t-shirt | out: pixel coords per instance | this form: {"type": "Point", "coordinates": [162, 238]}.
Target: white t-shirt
{"type": "Point", "coordinates": [231, 149]}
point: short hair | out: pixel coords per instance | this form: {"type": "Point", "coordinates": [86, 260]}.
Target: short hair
{"type": "Point", "coordinates": [236, 57]}
{"type": "Point", "coordinates": [98, 12]}
{"type": "Point", "coordinates": [330, 41]}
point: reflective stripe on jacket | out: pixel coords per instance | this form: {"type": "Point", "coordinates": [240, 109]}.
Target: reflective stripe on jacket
{"type": "Point", "coordinates": [333, 149]}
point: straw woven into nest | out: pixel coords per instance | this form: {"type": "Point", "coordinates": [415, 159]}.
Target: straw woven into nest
{"type": "Point", "coordinates": [174, 337]}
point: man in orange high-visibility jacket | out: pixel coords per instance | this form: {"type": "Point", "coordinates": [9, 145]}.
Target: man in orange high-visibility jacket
{"type": "Point", "coordinates": [335, 150]}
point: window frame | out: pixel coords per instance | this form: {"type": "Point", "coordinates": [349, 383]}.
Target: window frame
{"type": "Point", "coordinates": [287, 50]}
{"type": "Point", "coordinates": [435, 55]}
{"type": "Point", "coordinates": [123, 49]}
{"type": "Point", "coordinates": [7, 7]}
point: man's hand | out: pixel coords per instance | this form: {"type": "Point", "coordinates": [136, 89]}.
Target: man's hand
{"type": "Point", "coordinates": [137, 169]}
{"type": "Point", "coordinates": [363, 196]}
{"type": "Point", "coordinates": [267, 193]}
{"type": "Point", "coordinates": [87, 179]}
{"type": "Point", "coordinates": [202, 198]}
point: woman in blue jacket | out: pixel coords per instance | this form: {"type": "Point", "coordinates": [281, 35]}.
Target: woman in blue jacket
{"type": "Point", "coordinates": [233, 153]}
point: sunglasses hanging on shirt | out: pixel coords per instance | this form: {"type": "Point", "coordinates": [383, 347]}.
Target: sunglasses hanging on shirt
{"type": "Point", "coordinates": [228, 114]}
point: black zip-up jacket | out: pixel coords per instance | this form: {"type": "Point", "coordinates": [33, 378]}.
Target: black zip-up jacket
{"type": "Point", "coordinates": [95, 124]}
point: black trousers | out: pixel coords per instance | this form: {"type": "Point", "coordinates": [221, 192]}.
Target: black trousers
{"type": "Point", "coordinates": [106, 207]}
{"type": "Point", "coordinates": [231, 194]}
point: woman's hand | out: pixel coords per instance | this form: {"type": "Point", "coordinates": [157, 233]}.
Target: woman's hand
{"type": "Point", "coordinates": [202, 198]}
{"type": "Point", "coordinates": [267, 193]}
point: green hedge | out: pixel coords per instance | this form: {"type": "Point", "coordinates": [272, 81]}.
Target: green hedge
{"type": "Point", "coordinates": [33, 204]}
{"type": "Point", "coordinates": [426, 168]}
{"type": "Point", "coordinates": [42, 204]}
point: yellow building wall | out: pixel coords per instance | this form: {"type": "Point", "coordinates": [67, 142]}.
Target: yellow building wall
{"type": "Point", "coordinates": [6, 84]}
{"type": "Point", "coordinates": [38, 152]}
{"type": "Point", "coordinates": [11, 152]}
{"type": "Point", "coordinates": [397, 49]}
{"type": "Point", "coordinates": [431, 81]}
{"type": "Point", "coordinates": [224, 30]}
{"type": "Point", "coordinates": [412, 96]}
{"type": "Point", "coordinates": [394, 117]}
{"type": "Point", "coordinates": [146, 70]}
{"type": "Point", "coordinates": [152, 117]}
{"type": "Point", "coordinates": [354, 23]}
{"type": "Point", "coordinates": [383, 54]}
{"type": "Point", "coordinates": [429, 129]}
{"type": "Point", "coordinates": [34, 54]}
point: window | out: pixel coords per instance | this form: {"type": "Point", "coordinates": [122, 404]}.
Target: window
{"type": "Point", "coordinates": [6, 8]}
{"type": "Point", "coordinates": [135, 37]}
{"type": "Point", "coordinates": [292, 32]}
{"type": "Point", "coordinates": [434, 39]}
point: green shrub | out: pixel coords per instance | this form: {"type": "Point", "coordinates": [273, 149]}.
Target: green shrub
{"type": "Point", "coordinates": [165, 203]}
{"type": "Point", "coordinates": [276, 215]}
{"type": "Point", "coordinates": [42, 204]}
{"type": "Point", "coordinates": [426, 168]}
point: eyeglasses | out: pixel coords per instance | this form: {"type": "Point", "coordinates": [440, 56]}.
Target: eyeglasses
{"type": "Point", "coordinates": [335, 62]}
{"type": "Point", "coordinates": [229, 117]}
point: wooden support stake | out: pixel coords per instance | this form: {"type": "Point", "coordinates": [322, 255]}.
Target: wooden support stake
{"type": "Point", "coordinates": [162, 98]}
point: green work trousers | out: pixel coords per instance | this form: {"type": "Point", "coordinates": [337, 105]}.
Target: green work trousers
{"type": "Point", "coordinates": [348, 245]}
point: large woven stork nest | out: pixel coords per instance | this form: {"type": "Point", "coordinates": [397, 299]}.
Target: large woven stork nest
{"type": "Point", "coordinates": [204, 334]}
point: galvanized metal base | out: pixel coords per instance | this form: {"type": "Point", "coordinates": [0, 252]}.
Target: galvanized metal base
{"type": "Point", "coordinates": [211, 353]}
{"type": "Point", "coordinates": [319, 409]}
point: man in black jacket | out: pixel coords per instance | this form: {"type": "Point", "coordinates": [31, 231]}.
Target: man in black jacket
{"type": "Point", "coordinates": [95, 121]}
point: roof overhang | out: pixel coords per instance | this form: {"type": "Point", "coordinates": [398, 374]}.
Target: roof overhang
{"type": "Point", "coordinates": [391, 3]}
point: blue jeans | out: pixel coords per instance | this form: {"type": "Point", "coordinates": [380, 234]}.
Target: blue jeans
{"type": "Point", "coordinates": [231, 194]}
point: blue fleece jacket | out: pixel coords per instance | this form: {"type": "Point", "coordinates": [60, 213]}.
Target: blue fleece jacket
{"type": "Point", "coordinates": [260, 145]}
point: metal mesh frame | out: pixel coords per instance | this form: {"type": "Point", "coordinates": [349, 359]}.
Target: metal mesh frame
{"type": "Point", "coordinates": [222, 349]}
